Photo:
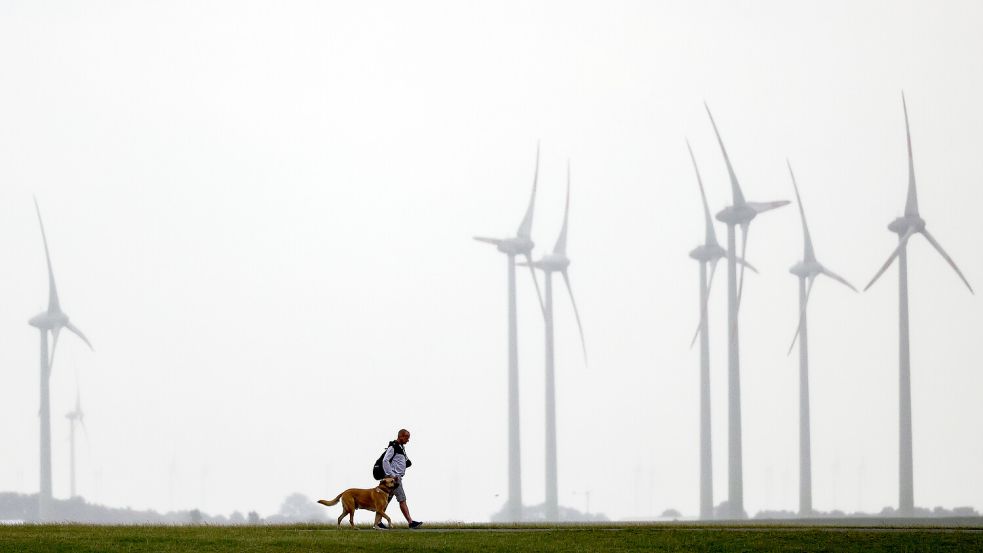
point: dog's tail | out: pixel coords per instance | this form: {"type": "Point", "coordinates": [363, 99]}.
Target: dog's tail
{"type": "Point", "coordinates": [327, 503]}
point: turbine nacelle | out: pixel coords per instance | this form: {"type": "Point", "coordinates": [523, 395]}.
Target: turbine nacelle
{"type": "Point", "coordinates": [902, 225]}
{"type": "Point", "coordinates": [49, 321]}
{"type": "Point", "coordinates": [551, 262]}
{"type": "Point", "coordinates": [517, 245]}
{"type": "Point", "coordinates": [736, 214]}
{"type": "Point", "coordinates": [806, 269]}
{"type": "Point", "coordinates": [708, 253]}
{"type": "Point", "coordinates": [744, 213]}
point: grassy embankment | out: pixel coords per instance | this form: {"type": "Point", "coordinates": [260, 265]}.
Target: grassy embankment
{"type": "Point", "coordinates": [614, 538]}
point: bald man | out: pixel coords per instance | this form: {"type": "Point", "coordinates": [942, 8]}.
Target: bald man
{"type": "Point", "coordinates": [394, 464]}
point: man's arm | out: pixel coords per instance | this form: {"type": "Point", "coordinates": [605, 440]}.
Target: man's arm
{"type": "Point", "coordinates": [387, 461]}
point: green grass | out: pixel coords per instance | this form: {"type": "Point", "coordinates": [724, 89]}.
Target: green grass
{"type": "Point", "coordinates": [614, 538]}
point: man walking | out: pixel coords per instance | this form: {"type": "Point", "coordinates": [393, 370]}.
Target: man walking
{"type": "Point", "coordinates": [394, 464]}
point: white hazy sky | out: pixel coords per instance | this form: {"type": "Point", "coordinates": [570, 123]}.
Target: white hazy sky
{"type": "Point", "coordinates": [261, 214]}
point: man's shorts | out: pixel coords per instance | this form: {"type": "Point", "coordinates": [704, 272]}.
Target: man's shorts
{"type": "Point", "coordinates": [399, 493]}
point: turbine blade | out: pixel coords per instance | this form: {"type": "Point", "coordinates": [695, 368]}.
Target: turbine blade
{"type": "Point", "coordinates": [897, 250]}
{"type": "Point", "coordinates": [745, 264]}
{"type": "Point", "coordinates": [838, 278]}
{"type": "Point", "coordinates": [700, 326]}
{"type": "Point", "coordinates": [802, 313]}
{"type": "Point", "coordinates": [810, 254]}
{"type": "Point", "coordinates": [938, 247]}
{"type": "Point", "coordinates": [699, 329]}
{"type": "Point", "coordinates": [53, 305]}
{"type": "Point", "coordinates": [713, 270]}
{"type": "Point", "coordinates": [740, 285]}
{"type": "Point", "coordinates": [711, 234]}
{"type": "Point", "coordinates": [74, 330]}
{"type": "Point", "coordinates": [761, 207]}
{"type": "Point", "coordinates": [911, 204]}
{"type": "Point", "coordinates": [525, 227]}
{"type": "Point", "coordinates": [493, 241]}
{"type": "Point", "coordinates": [54, 347]}
{"type": "Point", "coordinates": [539, 295]}
{"type": "Point", "coordinates": [576, 314]}
{"type": "Point", "coordinates": [734, 185]}
{"type": "Point", "coordinates": [561, 241]}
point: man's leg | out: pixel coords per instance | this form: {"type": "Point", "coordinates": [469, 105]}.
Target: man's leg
{"type": "Point", "coordinates": [400, 494]}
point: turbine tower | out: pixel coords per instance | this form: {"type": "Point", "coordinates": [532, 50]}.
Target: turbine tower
{"type": "Point", "coordinates": [556, 262]}
{"type": "Point", "coordinates": [709, 253]}
{"type": "Point", "coordinates": [52, 320]}
{"type": "Point", "coordinates": [520, 244]}
{"type": "Point", "coordinates": [74, 416]}
{"type": "Point", "coordinates": [807, 270]}
{"type": "Point", "coordinates": [740, 214]}
{"type": "Point", "coordinates": [905, 227]}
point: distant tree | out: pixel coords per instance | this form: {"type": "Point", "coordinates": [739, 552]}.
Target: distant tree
{"type": "Point", "coordinates": [195, 516]}
{"type": "Point", "coordinates": [253, 517]}
{"type": "Point", "coordinates": [237, 518]}
{"type": "Point", "coordinates": [299, 507]}
{"type": "Point", "coordinates": [772, 515]}
{"type": "Point", "coordinates": [671, 513]}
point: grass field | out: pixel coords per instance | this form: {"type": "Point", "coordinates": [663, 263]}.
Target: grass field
{"type": "Point", "coordinates": [634, 537]}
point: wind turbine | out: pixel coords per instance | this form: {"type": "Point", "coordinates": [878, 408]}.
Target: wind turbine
{"type": "Point", "coordinates": [709, 253]}
{"type": "Point", "coordinates": [556, 262]}
{"type": "Point", "coordinates": [905, 227]}
{"type": "Point", "coordinates": [740, 214]}
{"type": "Point", "coordinates": [520, 244]}
{"type": "Point", "coordinates": [52, 320]}
{"type": "Point", "coordinates": [74, 416]}
{"type": "Point", "coordinates": [807, 270]}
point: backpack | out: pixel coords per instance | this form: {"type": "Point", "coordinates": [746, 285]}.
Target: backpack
{"type": "Point", "coordinates": [377, 471]}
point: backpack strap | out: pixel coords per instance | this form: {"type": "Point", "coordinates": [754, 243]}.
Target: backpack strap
{"type": "Point", "coordinates": [398, 448]}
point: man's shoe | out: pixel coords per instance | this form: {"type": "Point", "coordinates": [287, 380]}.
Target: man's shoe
{"type": "Point", "coordinates": [415, 524]}
{"type": "Point", "coordinates": [381, 526]}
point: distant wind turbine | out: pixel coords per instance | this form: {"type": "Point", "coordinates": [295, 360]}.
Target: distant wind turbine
{"type": "Point", "coordinates": [709, 253]}
{"type": "Point", "coordinates": [740, 214]}
{"type": "Point", "coordinates": [807, 270]}
{"type": "Point", "coordinates": [75, 416]}
{"type": "Point", "coordinates": [906, 227]}
{"type": "Point", "coordinates": [520, 244]}
{"type": "Point", "coordinates": [52, 320]}
{"type": "Point", "coordinates": [556, 262]}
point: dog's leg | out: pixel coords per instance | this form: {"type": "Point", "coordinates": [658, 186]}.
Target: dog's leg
{"type": "Point", "coordinates": [351, 518]}
{"type": "Point", "coordinates": [340, 518]}
{"type": "Point", "coordinates": [383, 514]}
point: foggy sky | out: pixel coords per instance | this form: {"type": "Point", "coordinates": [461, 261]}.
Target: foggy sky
{"type": "Point", "coordinates": [261, 215]}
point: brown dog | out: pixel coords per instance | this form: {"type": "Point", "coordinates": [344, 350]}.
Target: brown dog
{"type": "Point", "coordinates": [376, 499]}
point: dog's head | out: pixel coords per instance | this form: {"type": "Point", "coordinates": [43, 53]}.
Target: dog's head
{"type": "Point", "coordinates": [388, 483]}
